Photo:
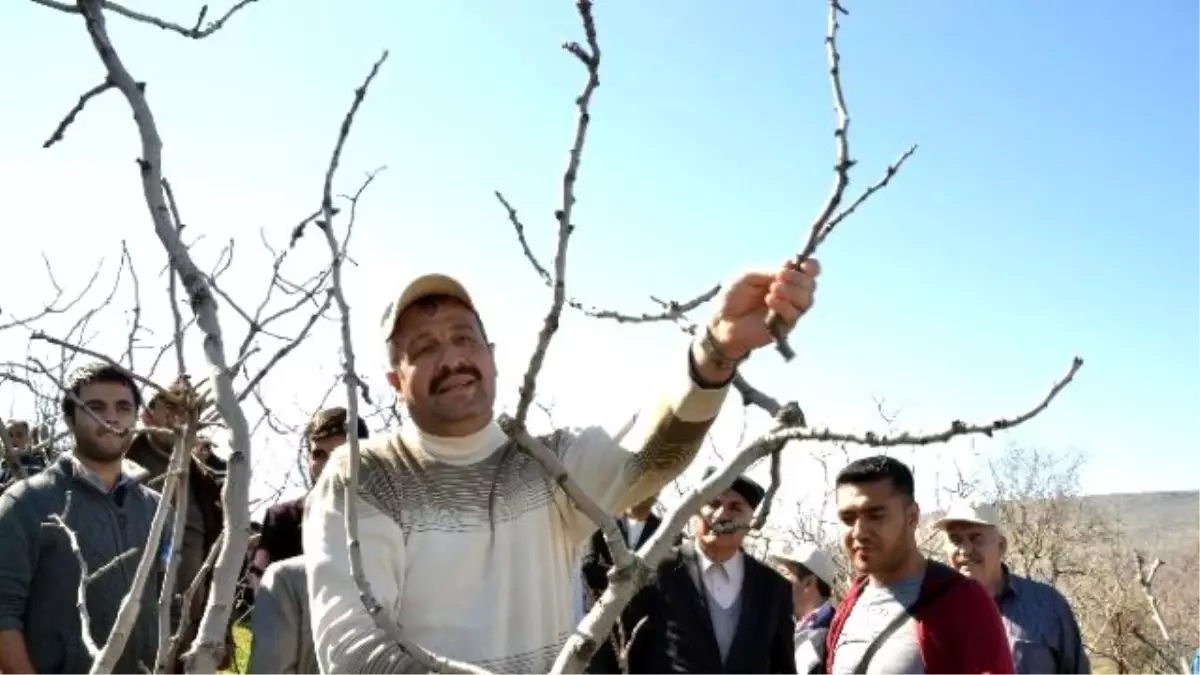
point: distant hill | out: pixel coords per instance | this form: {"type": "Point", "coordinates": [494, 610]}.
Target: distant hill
{"type": "Point", "coordinates": [1155, 520]}
{"type": "Point", "coordinates": [1157, 523]}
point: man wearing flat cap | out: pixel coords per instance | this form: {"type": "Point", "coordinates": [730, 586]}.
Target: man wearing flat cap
{"type": "Point", "coordinates": [812, 574]}
{"type": "Point", "coordinates": [711, 607]}
{"type": "Point", "coordinates": [1041, 627]}
{"type": "Point", "coordinates": [465, 540]}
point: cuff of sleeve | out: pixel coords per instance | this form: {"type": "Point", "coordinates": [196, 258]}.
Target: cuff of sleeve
{"type": "Point", "coordinates": [695, 400]}
{"type": "Point", "coordinates": [12, 623]}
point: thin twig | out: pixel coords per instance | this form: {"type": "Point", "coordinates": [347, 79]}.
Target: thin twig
{"type": "Point", "coordinates": [195, 32]}
{"type": "Point", "coordinates": [590, 58]}
{"type": "Point", "coordinates": [820, 226]}
{"type": "Point", "coordinates": [74, 112]}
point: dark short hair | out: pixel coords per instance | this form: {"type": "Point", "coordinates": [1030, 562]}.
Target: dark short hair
{"type": "Point", "coordinates": [878, 468]}
{"type": "Point", "coordinates": [429, 303]}
{"type": "Point", "coordinates": [96, 373]}
{"type": "Point", "coordinates": [178, 388]}
{"type": "Point", "coordinates": [331, 422]}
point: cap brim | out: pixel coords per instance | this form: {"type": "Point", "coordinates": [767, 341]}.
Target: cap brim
{"type": "Point", "coordinates": [946, 521]}
{"type": "Point", "coordinates": [423, 287]}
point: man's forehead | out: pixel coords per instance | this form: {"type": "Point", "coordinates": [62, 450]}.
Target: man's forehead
{"type": "Point", "coordinates": [732, 495]}
{"type": "Point", "coordinates": [106, 391]}
{"type": "Point", "coordinates": [421, 318]}
{"type": "Point", "coordinates": [962, 527]}
{"type": "Point", "coordinates": [865, 494]}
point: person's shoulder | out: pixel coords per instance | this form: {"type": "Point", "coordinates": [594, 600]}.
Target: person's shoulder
{"type": "Point", "coordinates": [675, 558]}
{"type": "Point", "coordinates": [759, 567]}
{"type": "Point", "coordinates": [34, 498]}
{"type": "Point", "coordinates": [41, 485]}
{"type": "Point", "coordinates": [147, 495]}
{"type": "Point", "coordinates": [378, 453]}
{"type": "Point", "coordinates": [1040, 591]}
{"type": "Point", "coordinates": [283, 510]}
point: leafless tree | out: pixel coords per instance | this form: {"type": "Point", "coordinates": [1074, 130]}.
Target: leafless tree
{"type": "Point", "coordinates": [203, 291]}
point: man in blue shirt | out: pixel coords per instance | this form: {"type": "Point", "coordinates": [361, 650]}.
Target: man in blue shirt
{"type": "Point", "coordinates": [1041, 627]}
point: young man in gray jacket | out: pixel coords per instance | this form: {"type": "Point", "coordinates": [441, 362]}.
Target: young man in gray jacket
{"type": "Point", "coordinates": [109, 514]}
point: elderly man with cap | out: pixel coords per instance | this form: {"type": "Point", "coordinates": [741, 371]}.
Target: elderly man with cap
{"type": "Point", "coordinates": [1041, 627]}
{"type": "Point", "coordinates": [711, 608]}
{"type": "Point", "coordinates": [812, 573]}
{"type": "Point", "coordinates": [465, 540]}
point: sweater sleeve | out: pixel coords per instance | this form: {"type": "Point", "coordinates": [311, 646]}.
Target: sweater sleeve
{"type": "Point", "coordinates": [623, 466]}
{"type": "Point", "coordinates": [18, 531]}
{"type": "Point", "coordinates": [345, 637]}
{"type": "Point", "coordinates": [274, 627]}
{"type": "Point", "coordinates": [982, 645]}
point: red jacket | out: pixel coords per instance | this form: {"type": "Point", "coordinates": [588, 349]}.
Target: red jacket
{"type": "Point", "coordinates": [958, 632]}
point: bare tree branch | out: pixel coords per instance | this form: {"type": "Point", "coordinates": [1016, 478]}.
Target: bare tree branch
{"type": "Point", "coordinates": [1145, 581]}
{"type": "Point", "coordinates": [426, 659]}
{"type": "Point", "coordinates": [820, 226]}
{"type": "Point", "coordinates": [205, 654]}
{"type": "Point", "coordinates": [590, 58]}
{"type": "Point", "coordinates": [195, 32]}
{"type": "Point", "coordinates": [74, 112]}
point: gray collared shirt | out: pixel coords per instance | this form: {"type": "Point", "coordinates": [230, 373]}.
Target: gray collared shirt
{"type": "Point", "coordinates": [1041, 628]}
{"type": "Point", "coordinates": [94, 478]}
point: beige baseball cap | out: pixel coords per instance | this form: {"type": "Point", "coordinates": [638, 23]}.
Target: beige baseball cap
{"type": "Point", "coordinates": [813, 557]}
{"type": "Point", "coordinates": [979, 513]}
{"type": "Point", "coordinates": [422, 287]}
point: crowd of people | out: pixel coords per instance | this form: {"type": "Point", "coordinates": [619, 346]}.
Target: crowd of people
{"type": "Point", "coordinates": [470, 546]}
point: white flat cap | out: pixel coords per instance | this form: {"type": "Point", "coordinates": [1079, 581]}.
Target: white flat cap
{"type": "Point", "coordinates": [979, 513]}
{"type": "Point", "coordinates": [814, 559]}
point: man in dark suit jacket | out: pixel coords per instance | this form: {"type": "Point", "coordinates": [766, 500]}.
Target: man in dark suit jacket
{"type": "Point", "coordinates": [281, 529]}
{"type": "Point", "coordinates": [637, 525]}
{"type": "Point", "coordinates": [711, 608]}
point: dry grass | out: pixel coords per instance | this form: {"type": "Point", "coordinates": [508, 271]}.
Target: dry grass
{"type": "Point", "coordinates": [241, 648]}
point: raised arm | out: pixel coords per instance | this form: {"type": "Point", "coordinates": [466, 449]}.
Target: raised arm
{"type": "Point", "coordinates": [345, 637]}
{"type": "Point", "coordinates": [275, 627]}
{"type": "Point", "coordinates": [622, 467]}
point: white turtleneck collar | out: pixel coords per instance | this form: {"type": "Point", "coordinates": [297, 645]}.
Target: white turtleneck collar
{"type": "Point", "coordinates": [459, 450]}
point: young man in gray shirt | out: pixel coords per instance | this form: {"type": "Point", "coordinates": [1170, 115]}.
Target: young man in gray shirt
{"type": "Point", "coordinates": [109, 513]}
{"type": "Point", "coordinates": [903, 613]}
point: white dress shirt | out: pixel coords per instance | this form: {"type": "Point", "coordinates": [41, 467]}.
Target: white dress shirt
{"type": "Point", "coordinates": [633, 531]}
{"type": "Point", "coordinates": [723, 580]}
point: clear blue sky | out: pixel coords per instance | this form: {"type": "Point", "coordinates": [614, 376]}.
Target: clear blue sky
{"type": "Point", "coordinates": [1050, 211]}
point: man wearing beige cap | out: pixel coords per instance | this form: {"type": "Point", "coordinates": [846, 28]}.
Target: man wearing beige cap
{"type": "Point", "coordinates": [813, 575]}
{"type": "Point", "coordinates": [1041, 627]}
{"type": "Point", "coordinates": [465, 540]}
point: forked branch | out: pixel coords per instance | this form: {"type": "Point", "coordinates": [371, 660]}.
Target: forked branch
{"type": "Point", "coordinates": [206, 652]}
{"type": "Point", "coordinates": [1145, 581]}
{"type": "Point", "coordinates": [827, 218]}
{"type": "Point", "coordinates": [427, 660]}
{"type": "Point", "coordinates": [590, 58]}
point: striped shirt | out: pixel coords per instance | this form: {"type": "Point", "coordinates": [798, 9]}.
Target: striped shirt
{"type": "Point", "coordinates": [1041, 628]}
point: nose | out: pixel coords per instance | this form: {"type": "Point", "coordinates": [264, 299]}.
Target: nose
{"type": "Point", "coordinates": [856, 529]}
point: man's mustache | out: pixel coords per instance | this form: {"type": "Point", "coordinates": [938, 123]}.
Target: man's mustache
{"type": "Point", "coordinates": [727, 527]}
{"type": "Point", "coordinates": [466, 369]}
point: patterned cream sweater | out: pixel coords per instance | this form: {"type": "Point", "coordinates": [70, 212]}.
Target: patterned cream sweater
{"type": "Point", "coordinates": [466, 542]}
